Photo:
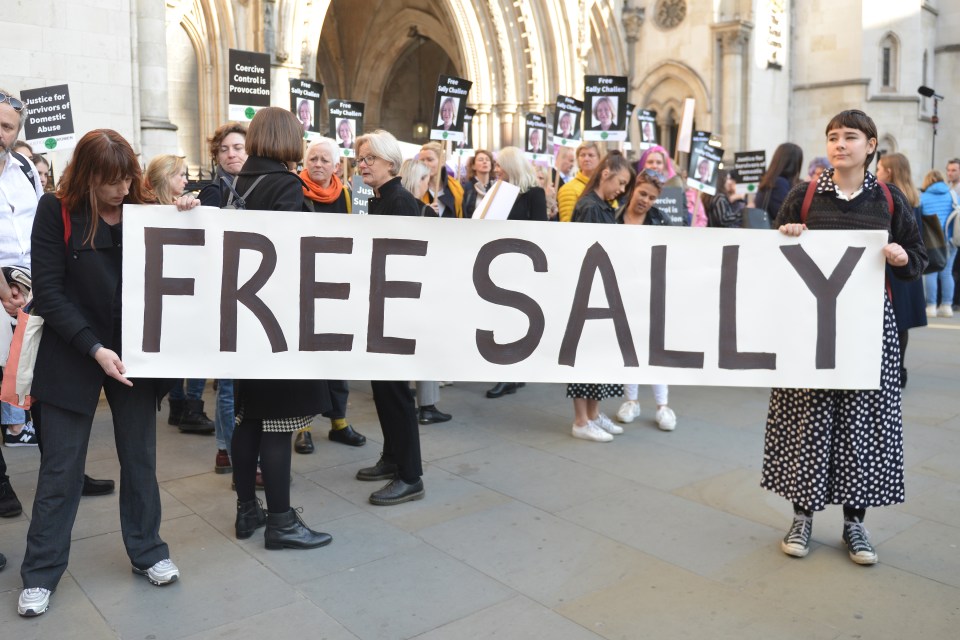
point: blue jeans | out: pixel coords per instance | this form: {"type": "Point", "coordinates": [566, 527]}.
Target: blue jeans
{"type": "Point", "coordinates": [10, 414]}
{"type": "Point", "coordinates": [224, 420]}
{"type": "Point", "coordinates": [194, 390]}
{"type": "Point", "coordinates": [944, 279]}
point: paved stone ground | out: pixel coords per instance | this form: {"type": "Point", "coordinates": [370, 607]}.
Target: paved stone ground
{"type": "Point", "coordinates": [528, 533]}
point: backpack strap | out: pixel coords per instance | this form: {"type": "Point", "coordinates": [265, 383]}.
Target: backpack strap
{"type": "Point", "coordinates": [887, 195]}
{"type": "Point", "coordinates": [807, 200]}
{"type": "Point", "coordinates": [25, 167]}
{"type": "Point", "coordinates": [240, 201]}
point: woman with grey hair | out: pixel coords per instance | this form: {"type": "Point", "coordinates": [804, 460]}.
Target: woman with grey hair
{"type": "Point", "coordinates": [323, 190]}
{"type": "Point", "coordinates": [531, 204]}
{"type": "Point", "coordinates": [415, 176]}
{"type": "Point", "coordinates": [378, 161]}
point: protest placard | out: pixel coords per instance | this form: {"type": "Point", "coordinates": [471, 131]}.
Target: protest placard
{"type": "Point", "coordinates": [49, 124]}
{"type": "Point", "coordinates": [248, 87]}
{"type": "Point", "coordinates": [305, 104]}
{"type": "Point", "coordinates": [606, 98]}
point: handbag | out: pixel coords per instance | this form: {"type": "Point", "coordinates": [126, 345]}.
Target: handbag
{"type": "Point", "coordinates": [756, 217]}
{"type": "Point", "coordinates": [18, 374]}
{"type": "Point", "coordinates": [935, 243]}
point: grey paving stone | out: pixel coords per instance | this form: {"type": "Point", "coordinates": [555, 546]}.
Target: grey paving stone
{"type": "Point", "coordinates": [517, 617]}
{"type": "Point", "coordinates": [930, 549]}
{"type": "Point", "coordinates": [299, 619]}
{"type": "Point", "coordinates": [71, 615]}
{"type": "Point", "coordinates": [541, 556]}
{"type": "Point", "coordinates": [404, 594]}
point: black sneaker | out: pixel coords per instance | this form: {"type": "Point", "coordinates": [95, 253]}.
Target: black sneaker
{"type": "Point", "coordinates": [797, 541]}
{"type": "Point", "coordinates": [26, 438]}
{"type": "Point", "coordinates": [857, 539]}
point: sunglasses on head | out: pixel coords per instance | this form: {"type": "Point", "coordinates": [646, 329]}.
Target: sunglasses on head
{"type": "Point", "coordinates": [651, 176]}
{"type": "Point", "coordinates": [16, 104]}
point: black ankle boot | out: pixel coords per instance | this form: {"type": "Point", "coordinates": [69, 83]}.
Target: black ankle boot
{"type": "Point", "coordinates": [287, 531]}
{"type": "Point", "coordinates": [250, 517]}
{"type": "Point", "coordinates": [176, 412]}
{"type": "Point", "coordinates": [193, 419]}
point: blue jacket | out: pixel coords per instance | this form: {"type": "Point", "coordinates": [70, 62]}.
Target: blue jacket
{"type": "Point", "coordinates": [936, 200]}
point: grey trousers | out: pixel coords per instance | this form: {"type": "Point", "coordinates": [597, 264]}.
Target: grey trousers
{"type": "Point", "coordinates": [66, 435]}
{"type": "Point", "coordinates": [428, 393]}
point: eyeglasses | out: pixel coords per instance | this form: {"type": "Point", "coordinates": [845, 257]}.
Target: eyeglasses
{"type": "Point", "coordinates": [368, 160]}
{"type": "Point", "coordinates": [16, 104]}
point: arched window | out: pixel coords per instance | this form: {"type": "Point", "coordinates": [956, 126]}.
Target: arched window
{"type": "Point", "coordinates": [889, 62]}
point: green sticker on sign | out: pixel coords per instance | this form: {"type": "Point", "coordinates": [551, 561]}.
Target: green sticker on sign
{"type": "Point", "coordinates": [751, 188]}
{"type": "Point", "coordinates": [445, 134]}
{"type": "Point", "coordinates": [50, 143]}
{"type": "Point", "coordinates": [249, 112]}
{"type": "Point", "coordinates": [604, 135]}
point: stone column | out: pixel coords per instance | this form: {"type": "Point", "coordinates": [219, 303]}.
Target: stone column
{"type": "Point", "coordinates": [632, 19]}
{"type": "Point", "coordinates": [157, 134]}
{"type": "Point", "coordinates": [733, 78]}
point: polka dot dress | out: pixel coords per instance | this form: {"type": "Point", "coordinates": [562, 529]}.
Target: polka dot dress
{"type": "Point", "coordinates": [594, 391]}
{"type": "Point", "coordinates": [831, 446]}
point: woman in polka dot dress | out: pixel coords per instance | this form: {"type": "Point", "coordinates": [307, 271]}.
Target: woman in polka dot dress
{"type": "Point", "coordinates": [826, 446]}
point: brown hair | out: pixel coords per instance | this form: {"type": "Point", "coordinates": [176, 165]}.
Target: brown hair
{"type": "Point", "coordinates": [855, 119]}
{"type": "Point", "coordinates": [787, 161]}
{"type": "Point", "coordinates": [275, 133]}
{"type": "Point", "coordinates": [102, 156]}
{"type": "Point", "coordinates": [899, 168]}
{"type": "Point", "coordinates": [614, 162]}
{"type": "Point", "coordinates": [933, 176]}
{"type": "Point", "coordinates": [157, 178]}
{"type": "Point", "coordinates": [471, 171]}
{"type": "Point", "coordinates": [222, 132]}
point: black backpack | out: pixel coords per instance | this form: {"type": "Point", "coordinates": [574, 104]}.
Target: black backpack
{"type": "Point", "coordinates": [234, 199]}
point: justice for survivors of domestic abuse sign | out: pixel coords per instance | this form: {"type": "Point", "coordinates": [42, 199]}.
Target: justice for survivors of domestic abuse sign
{"type": "Point", "coordinates": [248, 294]}
{"type": "Point", "coordinates": [49, 125]}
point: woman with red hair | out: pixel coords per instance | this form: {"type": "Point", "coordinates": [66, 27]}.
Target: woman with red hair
{"type": "Point", "coordinates": [77, 254]}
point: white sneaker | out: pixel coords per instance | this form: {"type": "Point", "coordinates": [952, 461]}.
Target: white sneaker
{"type": "Point", "coordinates": [590, 431]}
{"type": "Point", "coordinates": [607, 425]}
{"type": "Point", "coordinates": [944, 311]}
{"type": "Point", "coordinates": [932, 311]}
{"type": "Point", "coordinates": [666, 419]}
{"type": "Point", "coordinates": [164, 572]}
{"type": "Point", "coordinates": [33, 602]}
{"type": "Point", "coordinates": [628, 411]}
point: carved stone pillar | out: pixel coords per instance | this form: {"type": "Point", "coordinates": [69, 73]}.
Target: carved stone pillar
{"type": "Point", "coordinates": [157, 134]}
{"type": "Point", "coordinates": [632, 19]}
{"type": "Point", "coordinates": [733, 72]}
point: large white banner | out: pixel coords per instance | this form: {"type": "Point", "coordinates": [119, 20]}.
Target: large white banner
{"type": "Point", "coordinates": [260, 294]}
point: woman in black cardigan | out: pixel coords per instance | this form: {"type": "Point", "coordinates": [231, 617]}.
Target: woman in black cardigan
{"type": "Point", "coordinates": [77, 256]}
{"type": "Point", "coordinates": [269, 411]}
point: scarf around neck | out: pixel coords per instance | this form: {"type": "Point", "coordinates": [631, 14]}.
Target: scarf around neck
{"type": "Point", "coordinates": [317, 193]}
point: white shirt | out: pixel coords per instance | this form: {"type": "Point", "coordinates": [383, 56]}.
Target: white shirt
{"type": "Point", "coordinates": [18, 206]}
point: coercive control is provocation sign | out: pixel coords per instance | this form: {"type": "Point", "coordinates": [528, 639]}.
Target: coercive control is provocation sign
{"type": "Point", "coordinates": [261, 294]}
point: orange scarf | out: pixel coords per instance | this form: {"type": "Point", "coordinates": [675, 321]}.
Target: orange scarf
{"type": "Point", "coordinates": [319, 194]}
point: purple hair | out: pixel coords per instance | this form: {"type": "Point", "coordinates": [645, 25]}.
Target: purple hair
{"type": "Point", "coordinates": [669, 171]}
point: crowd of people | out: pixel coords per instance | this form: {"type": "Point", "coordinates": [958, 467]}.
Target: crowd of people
{"type": "Point", "coordinates": [822, 447]}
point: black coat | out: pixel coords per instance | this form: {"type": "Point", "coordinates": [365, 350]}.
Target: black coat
{"type": "Point", "coordinates": [76, 287]}
{"type": "Point", "coordinates": [280, 190]}
{"type": "Point", "coordinates": [530, 205]}
{"type": "Point", "coordinates": [393, 200]}
{"type": "Point", "coordinates": [470, 196]}
{"type": "Point", "coordinates": [591, 208]}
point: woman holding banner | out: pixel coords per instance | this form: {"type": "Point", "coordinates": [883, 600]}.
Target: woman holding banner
{"type": "Point", "coordinates": [826, 446]}
{"type": "Point", "coordinates": [166, 178]}
{"type": "Point", "coordinates": [269, 411]}
{"type": "Point", "coordinates": [444, 189]}
{"type": "Point", "coordinates": [657, 159]}
{"type": "Point", "coordinates": [612, 178]}
{"type": "Point", "coordinates": [640, 210]}
{"type": "Point", "coordinates": [379, 160]}
{"type": "Point", "coordinates": [77, 256]}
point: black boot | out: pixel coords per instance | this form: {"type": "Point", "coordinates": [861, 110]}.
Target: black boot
{"type": "Point", "coordinates": [176, 412]}
{"type": "Point", "coordinates": [193, 419]}
{"type": "Point", "coordinates": [502, 389]}
{"type": "Point", "coordinates": [10, 506]}
{"type": "Point", "coordinates": [250, 517]}
{"type": "Point", "coordinates": [287, 531]}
